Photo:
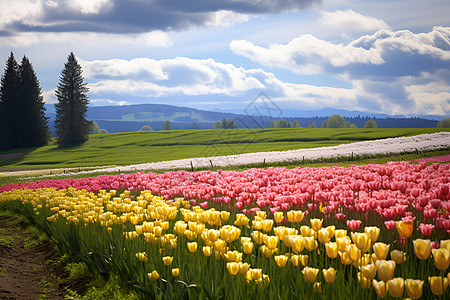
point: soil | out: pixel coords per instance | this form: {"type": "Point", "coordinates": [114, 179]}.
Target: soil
{"type": "Point", "coordinates": [31, 272]}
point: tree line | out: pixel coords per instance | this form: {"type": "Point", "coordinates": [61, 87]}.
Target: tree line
{"type": "Point", "coordinates": [22, 113]}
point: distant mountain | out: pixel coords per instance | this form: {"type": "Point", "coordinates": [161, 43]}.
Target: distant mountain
{"type": "Point", "coordinates": [326, 112]}
{"type": "Point", "coordinates": [133, 117]}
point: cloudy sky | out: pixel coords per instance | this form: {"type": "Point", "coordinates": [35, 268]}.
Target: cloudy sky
{"type": "Point", "coordinates": [384, 56]}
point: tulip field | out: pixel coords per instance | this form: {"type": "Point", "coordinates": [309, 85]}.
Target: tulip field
{"type": "Point", "coordinates": [372, 231]}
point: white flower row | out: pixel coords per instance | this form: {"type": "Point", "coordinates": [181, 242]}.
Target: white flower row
{"type": "Point", "coordinates": [434, 141]}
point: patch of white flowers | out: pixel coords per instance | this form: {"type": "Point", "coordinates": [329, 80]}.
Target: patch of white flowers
{"type": "Point", "coordinates": [434, 141]}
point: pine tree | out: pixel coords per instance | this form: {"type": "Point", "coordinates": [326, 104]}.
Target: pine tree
{"type": "Point", "coordinates": [71, 124]}
{"type": "Point", "coordinates": [10, 108]}
{"type": "Point", "coordinates": [34, 124]}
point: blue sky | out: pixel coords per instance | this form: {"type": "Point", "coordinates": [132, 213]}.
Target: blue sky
{"type": "Point", "coordinates": [375, 56]}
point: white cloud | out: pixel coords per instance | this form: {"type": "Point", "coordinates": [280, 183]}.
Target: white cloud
{"type": "Point", "coordinates": [49, 96]}
{"type": "Point", "coordinates": [180, 75]}
{"type": "Point", "coordinates": [306, 54]}
{"type": "Point", "coordinates": [152, 39]}
{"type": "Point", "coordinates": [350, 20]}
{"type": "Point", "coordinates": [226, 18]}
{"type": "Point", "coordinates": [90, 6]}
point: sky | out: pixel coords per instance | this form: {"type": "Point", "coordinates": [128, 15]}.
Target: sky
{"type": "Point", "coordinates": [380, 56]}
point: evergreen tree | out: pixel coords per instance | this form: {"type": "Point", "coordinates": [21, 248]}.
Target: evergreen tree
{"type": "Point", "coordinates": [445, 123]}
{"type": "Point", "coordinates": [34, 124]}
{"type": "Point", "coordinates": [71, 124]}
{"type": "Point", "coordinates": [10, 109]}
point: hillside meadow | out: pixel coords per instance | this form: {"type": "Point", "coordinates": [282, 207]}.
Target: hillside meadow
{"type": "Point", "coordinates": [154, 146]}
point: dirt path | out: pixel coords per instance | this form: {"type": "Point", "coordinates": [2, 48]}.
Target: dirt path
{"type": "Point", "coordinates": [28, 272]}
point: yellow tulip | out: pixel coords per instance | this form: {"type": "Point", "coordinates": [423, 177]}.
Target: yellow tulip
{"type": "Point", "coordinates": [233, 256]}
{"type": "Point", "coordinates": [142, 256]}
{"type": "Point", "coordinates": [316, 224]}
{"type": "Point", "coordinates": [422, 248]}
{"type": "Point", "coordinates": [436, 285]}
{"type": "Point", "coordinates": [380, 288]}
{"type": "Point", "coordinates": [445, 244]}
{"type": "Point", "coordinates": [323, 236]}
{"type": "Point", "coordinates": [271, 241]}
{"type": "Point", "coordinates": [278, 216]}
{"type": "Point", "coordinates": [297, 243]}
{"type": "Point", "coordinates": [207, 251]}
{"type": "Point", "coordinates": [345, 258]}
{"type": "Point", "coordinates": [257, 237]}
{"type": "Point", "coordinates": [192, 246]}
{"type": "Point", "coordinates": [398, 256]}
{"type": "Point", "coordinates": [364, 282]}
{"type": "Point", "coordinates": [224, 215]}
{"type": "Point", "coordinates": [175, 272]}
{"type": "Point", "coordinates": [310, 243]}
{"type": "Point", "coordinates": [338, 233]}
{"type": "Point", "coordinates": [257, 225]}
{"type": "Point", "coordinates": [385, 269]}
{"type": "Point", "coordinates": [221, 246]}
{"type": "Point", "coordinates": [255, 274]}
{"type": "Point", "coordinates": [243, 268]}
{"type": "Point", "coordinates": [241, 220]}
{"type": "Point", "coordinates": [361, 240]}
{"type": "Point", "coordinates": [373, 233]}
{"type": "Point", "coordinates": [329, 274]}
{"type": "Point", "coordinates": [310, 274]}
{"type": "Point", "coordinates": [281, 260]}
{"type": "Point", "coordinates": [247, 247]}
{"type": "Point", "coordinates": [261, 214]}
{"type": "Point", "coordinates": [441, 258]}
{"type": "Point", "coordinates": [245, 239]}
{"type": "Point", "coordinates": [295, 216]}
{"type": "Point", "coordinates": [167, 260]}
{"type": "Point", "coordinates": [213, 235]}
{"type": "Point", "coordinates": [306, 231]}
{"type": "Point", "coordinates": [342, 242]}
{"type": "Point", "coordinates": [331, 249]}
{"type": "Point", "coordinates": [354, 252]}
{"type": "Point", "coordinates": [295, 260]}
{"type": "Point", "coordinates": [381, 250]}
{"type": "Point", "coordinates": [404, 228]}
{"type": "Point", "coordinates": [414, 288]}
{"type": "Point", "coordinates": [395, 287]}
{"type": "Point", "coordinates": [317, 287]}
{"type": "Point", "coordinates": [233, 268]}
{"type": "Point", "coordinates": [153, 276]}
{"type": "Point", "coordinates": [267, 225]}
{"type": "Point", "coordinates": [331, 231]}
{"type": "Point", "coordinates": [266, 251]}
{"type": "Point", "coordinates": [369, 271]}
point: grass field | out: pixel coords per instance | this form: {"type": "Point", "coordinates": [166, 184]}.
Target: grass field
{"type": "Point", "coordinates": [140, 147]}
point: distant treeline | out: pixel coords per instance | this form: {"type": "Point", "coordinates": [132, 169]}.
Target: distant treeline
{"type": "Point", "coordinates": [264, 122]}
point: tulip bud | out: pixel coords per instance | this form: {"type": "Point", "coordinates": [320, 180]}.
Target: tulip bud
{"type": "Point", "coordinates": [404, 228]}
{"type": "Point", "coordinates": [441, 258]}
{"type": "Point", "coordinates": [395, 287]}
{"type": "Point", "coordinates": [380, 288]}
{"type": "Point", "coordinates": [381, 250]}
{"type": "Point", "coordinates": [153, 276]}
{"type": "Point", "coordinates": [329, 274]}
{"type": "Point", "coordinates": [281, 260]}
{"type": "Point", "coordinates": [385, 269]}
{"type": "Point", "coordinates": [438, 285]}
{"type": "Point", "coordinates": [414, 288]}
{"type": "Point", "coordinates": [310, 274]}
{"type": "Point", "coordinates": [422, 248]}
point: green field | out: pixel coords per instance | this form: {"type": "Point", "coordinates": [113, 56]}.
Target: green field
{"type": "Point", "coordinates": [140, 147]}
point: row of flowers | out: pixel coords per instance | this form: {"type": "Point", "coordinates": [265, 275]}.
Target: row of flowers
{"type": "Point", "coordinates": [173, 245]}
{"type": "Point", "coordinates": [390, 191]}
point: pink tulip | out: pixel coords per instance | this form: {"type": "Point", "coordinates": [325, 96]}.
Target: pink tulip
{"type": "Point", "coordinates": [353, 224]}
{"type": "Point", "coordinates": [390, 225]}
{"type": "Point", "coordinates": [426, 229]}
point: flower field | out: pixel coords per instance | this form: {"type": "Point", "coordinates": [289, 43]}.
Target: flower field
{"type": "Point", "coordinates": [374, 231]}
